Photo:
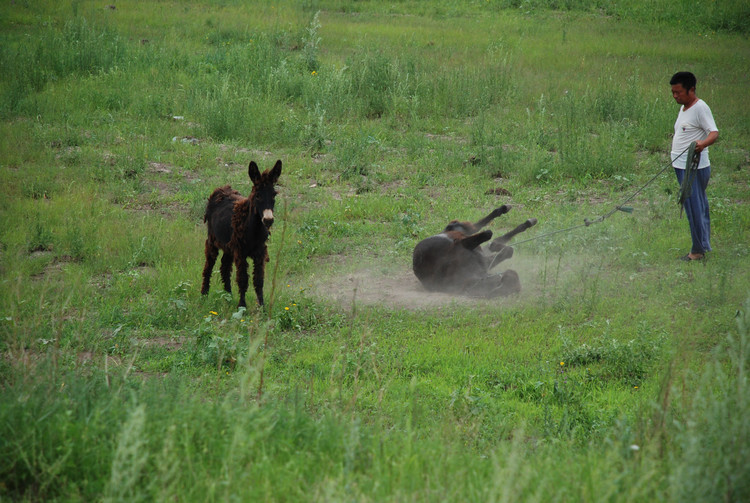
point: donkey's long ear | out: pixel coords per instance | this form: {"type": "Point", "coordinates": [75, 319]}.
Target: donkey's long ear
{"type": "Point", "coordinates": [276, 171]}
{"type": "Point", "coordinates": [254, 172]}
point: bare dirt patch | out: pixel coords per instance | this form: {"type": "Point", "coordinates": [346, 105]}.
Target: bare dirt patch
{"type": "Point", "coordinates": [55, 266]}
{"type": "Point", "coordinates": [395, 286]}
{"type": "Point", "coordinates": [159, 167]}
{"type": "Point", "coordinates": [170, 343]}
{"type": "Point", "coordinates": [398, 289]}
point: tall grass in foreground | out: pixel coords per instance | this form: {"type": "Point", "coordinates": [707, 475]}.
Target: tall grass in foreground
{"type": "Point", "coordinates": [713, 459]}
{"type": "Point", "coordinates": [69, 437]}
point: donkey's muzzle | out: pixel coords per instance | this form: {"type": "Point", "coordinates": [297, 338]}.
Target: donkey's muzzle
{"type": "Point", "coordinates": [267, 218]}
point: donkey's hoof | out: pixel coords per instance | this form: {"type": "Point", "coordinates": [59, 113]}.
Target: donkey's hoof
{"type": "Point", "coordinates": [505, 253]}
{"type": "Point", "coordinates": [531, 222]}
{"type": "Point", "coordinates": [510, 284]}
{"type": "Point", "coordinates": [502, 210]}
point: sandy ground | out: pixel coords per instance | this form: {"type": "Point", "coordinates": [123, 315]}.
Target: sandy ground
{"type": "Point", "coordinates": [397, 289]}
{"type": "Point", "coordinates": [395, 286]}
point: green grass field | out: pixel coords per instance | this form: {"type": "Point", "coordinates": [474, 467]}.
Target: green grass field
{"type": "Point", "coordinates": [619, 373]}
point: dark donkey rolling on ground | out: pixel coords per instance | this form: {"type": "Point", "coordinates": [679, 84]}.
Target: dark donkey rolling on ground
{"type": "Point", "coordinates": [240, 226]}
{"type": "Point", "coordinates": [454, 261]}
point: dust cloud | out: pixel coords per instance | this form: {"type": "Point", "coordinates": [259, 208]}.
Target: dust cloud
{"type": "Point", "coordinates": [394, 285]}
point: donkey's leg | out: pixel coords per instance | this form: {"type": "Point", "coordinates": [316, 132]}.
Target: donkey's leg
{"type": "Point", "coordinates": [495, 285]}
{"type": "Point", "coordinates": [502, 210]}
{"type": "Point", "coordinates": [240, 262]}
{"type": "Point", "coordinates": [259, 272]}
{"type": "Point", "coordinates": [211, 253]}
{"type": "Point", "coordinates": [500, 242]}
{"type": "Point", "coordinates": [485, 287]}
{"type": "Point", "coordinates": [226, 271]}
{"type": "Point", "coordinates": [509, 285]}
{"type": "Point", "coordinates": [505, 253]}
{"type": "Point", "coordinates": [471, 242]}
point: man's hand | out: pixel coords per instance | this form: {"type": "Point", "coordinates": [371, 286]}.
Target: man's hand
{"type": "Point", "coordinates": [710, 139]}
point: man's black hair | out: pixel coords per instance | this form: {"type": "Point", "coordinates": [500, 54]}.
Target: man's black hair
{"type": "Point", "coordinates": [687, 79]}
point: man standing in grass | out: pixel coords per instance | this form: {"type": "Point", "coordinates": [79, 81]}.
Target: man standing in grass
{"type": "Point", "coordinates": [695, 123]}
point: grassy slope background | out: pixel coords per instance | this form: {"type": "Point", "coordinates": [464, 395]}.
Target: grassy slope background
{"type": "Point", "coordinates": [120, 382]}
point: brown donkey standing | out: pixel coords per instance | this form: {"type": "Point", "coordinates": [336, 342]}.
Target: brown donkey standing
{"type": "Point", "coordinates": [240, 226]}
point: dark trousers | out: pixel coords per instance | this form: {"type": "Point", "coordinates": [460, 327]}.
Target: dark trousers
{"type": "Point", "coordinates": [696, 209]}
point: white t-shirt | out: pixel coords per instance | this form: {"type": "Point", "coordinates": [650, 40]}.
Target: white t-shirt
{"type": "Point", "coordinates": [692, 125]}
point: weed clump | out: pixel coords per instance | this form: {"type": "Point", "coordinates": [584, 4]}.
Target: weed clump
{"type": "Point", "coordinates": [627, 361]}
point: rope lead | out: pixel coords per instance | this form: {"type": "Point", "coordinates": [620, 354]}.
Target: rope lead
{"type": "Point", "coordinates": [691, 166]}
